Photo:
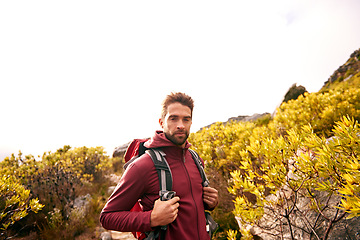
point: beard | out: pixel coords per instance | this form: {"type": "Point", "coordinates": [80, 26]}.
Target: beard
{"type": "Point", "coordinates": [177, 139]}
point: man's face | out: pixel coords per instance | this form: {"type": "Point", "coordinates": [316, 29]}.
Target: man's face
{"type": "Point", "coordinates": [177, 123]}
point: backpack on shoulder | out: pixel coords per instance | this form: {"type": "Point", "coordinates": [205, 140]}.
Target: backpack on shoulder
{"type": "Point", "coordinates": [135, 149]}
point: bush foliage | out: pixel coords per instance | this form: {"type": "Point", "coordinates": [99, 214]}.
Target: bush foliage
{"type": "Point", "coordinates": [279, 162]}
{"type": "Point", "coordinates": [51, 184]}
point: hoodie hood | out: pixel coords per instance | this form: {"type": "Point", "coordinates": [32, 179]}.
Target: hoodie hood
{"type": "Point", "coordinates": [160, 140]}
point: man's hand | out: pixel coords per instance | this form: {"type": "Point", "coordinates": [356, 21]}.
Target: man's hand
{"type": "Point", "coordinates": [210, 197]}
{"type": "Point", "coordinates": [164, 212]}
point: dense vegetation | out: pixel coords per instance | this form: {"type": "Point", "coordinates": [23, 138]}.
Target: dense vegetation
{"type": "Point", "coordinates": [273, 165]}
{"type": "Point", "coordinates": [43, 197]}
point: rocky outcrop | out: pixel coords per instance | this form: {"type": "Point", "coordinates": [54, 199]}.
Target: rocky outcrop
{"type": "Point", "coordinates": [241, 118]}
{"type": "Point", "coordinates": [120, 150]}
{"type": "Point", "coordinates": [294, 92]}
{"type": "Point", "coordinates": [247, 118]}
{"type": "Point", "coordinates": [307, 223]}
{"type": "Point", "coordinates": [347, 70]}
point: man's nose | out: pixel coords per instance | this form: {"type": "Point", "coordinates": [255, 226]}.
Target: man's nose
{"type": "Point", "coordinates": [180, 125]}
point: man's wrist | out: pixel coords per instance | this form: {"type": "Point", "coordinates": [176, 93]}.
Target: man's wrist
{"type": "Point", "coordinates": [153, 219]}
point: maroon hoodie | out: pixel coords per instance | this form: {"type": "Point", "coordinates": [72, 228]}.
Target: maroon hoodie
{"type": "Point", "coordinates": [140, 181]}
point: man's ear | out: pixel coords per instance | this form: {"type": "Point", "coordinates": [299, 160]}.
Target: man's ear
{"type": "Point", "coordinates": [161, 122]}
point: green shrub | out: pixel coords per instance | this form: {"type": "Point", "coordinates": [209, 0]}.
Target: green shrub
{"type": "Point", "coordinates": [57, 180]}
{"type": "Point", "coordinates": [285, 172]}
{"type": "Point", "coordinates": [320, 110]}
{"type": "Point", "coordinates": [229, 151]}
{"type": "Point", "coordinates": [15, 204]}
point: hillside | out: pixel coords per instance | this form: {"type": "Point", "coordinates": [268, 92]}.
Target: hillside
{"type": "Point", "coordinates": [294, 174]}
{"type": "Point", "coordinates": [344, 72]}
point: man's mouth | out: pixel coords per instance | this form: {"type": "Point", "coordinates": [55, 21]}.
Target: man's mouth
{"type": "Point", "coordinates": [179, 133]}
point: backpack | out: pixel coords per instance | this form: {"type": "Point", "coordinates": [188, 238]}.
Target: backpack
{"type": "Point", "coordinates": [135, 149]}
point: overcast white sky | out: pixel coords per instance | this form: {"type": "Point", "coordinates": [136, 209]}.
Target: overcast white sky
{"type": "Point", "coordinates": [94, 73]}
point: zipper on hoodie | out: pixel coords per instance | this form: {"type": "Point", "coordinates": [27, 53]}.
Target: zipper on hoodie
{"type": "Point", "coordinates": [191, 191]}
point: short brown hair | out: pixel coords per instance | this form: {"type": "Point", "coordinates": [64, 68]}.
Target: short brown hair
{"type": "Point", "coordinates": [179, 97]}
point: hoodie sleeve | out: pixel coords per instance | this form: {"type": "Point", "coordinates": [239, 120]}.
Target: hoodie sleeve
{"type": "Point", "coordinates": [116, 214]}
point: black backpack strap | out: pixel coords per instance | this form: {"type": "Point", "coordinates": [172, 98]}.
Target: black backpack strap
{"type": "Point", "coordinates": [141, 151]}
{"type": "Point", "coordinates": [211, 225]}
{"type": "Point", "coordinates": [142, 148]}
{"type": "Point", "coordinates": [200, 166]}
{"type": "Point", "coordinates": [165, 180]}
{"type": "Point", "coordinates": [162, 169]}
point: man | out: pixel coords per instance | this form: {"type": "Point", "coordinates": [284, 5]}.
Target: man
{"type": "Point", "coordinates": [184, 214]}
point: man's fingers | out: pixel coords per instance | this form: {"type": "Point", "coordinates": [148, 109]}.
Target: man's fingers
{"type": "Point", "coordinates": [210, 190]}
{"type": "Point", "coordinates": [174, 200]}
{"type": "Point", "coordinates": [210, 196]}
{"type": "Point", "coordinates": [164, 212]}
{"type": "Point", "coordinates": [210, 193]}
